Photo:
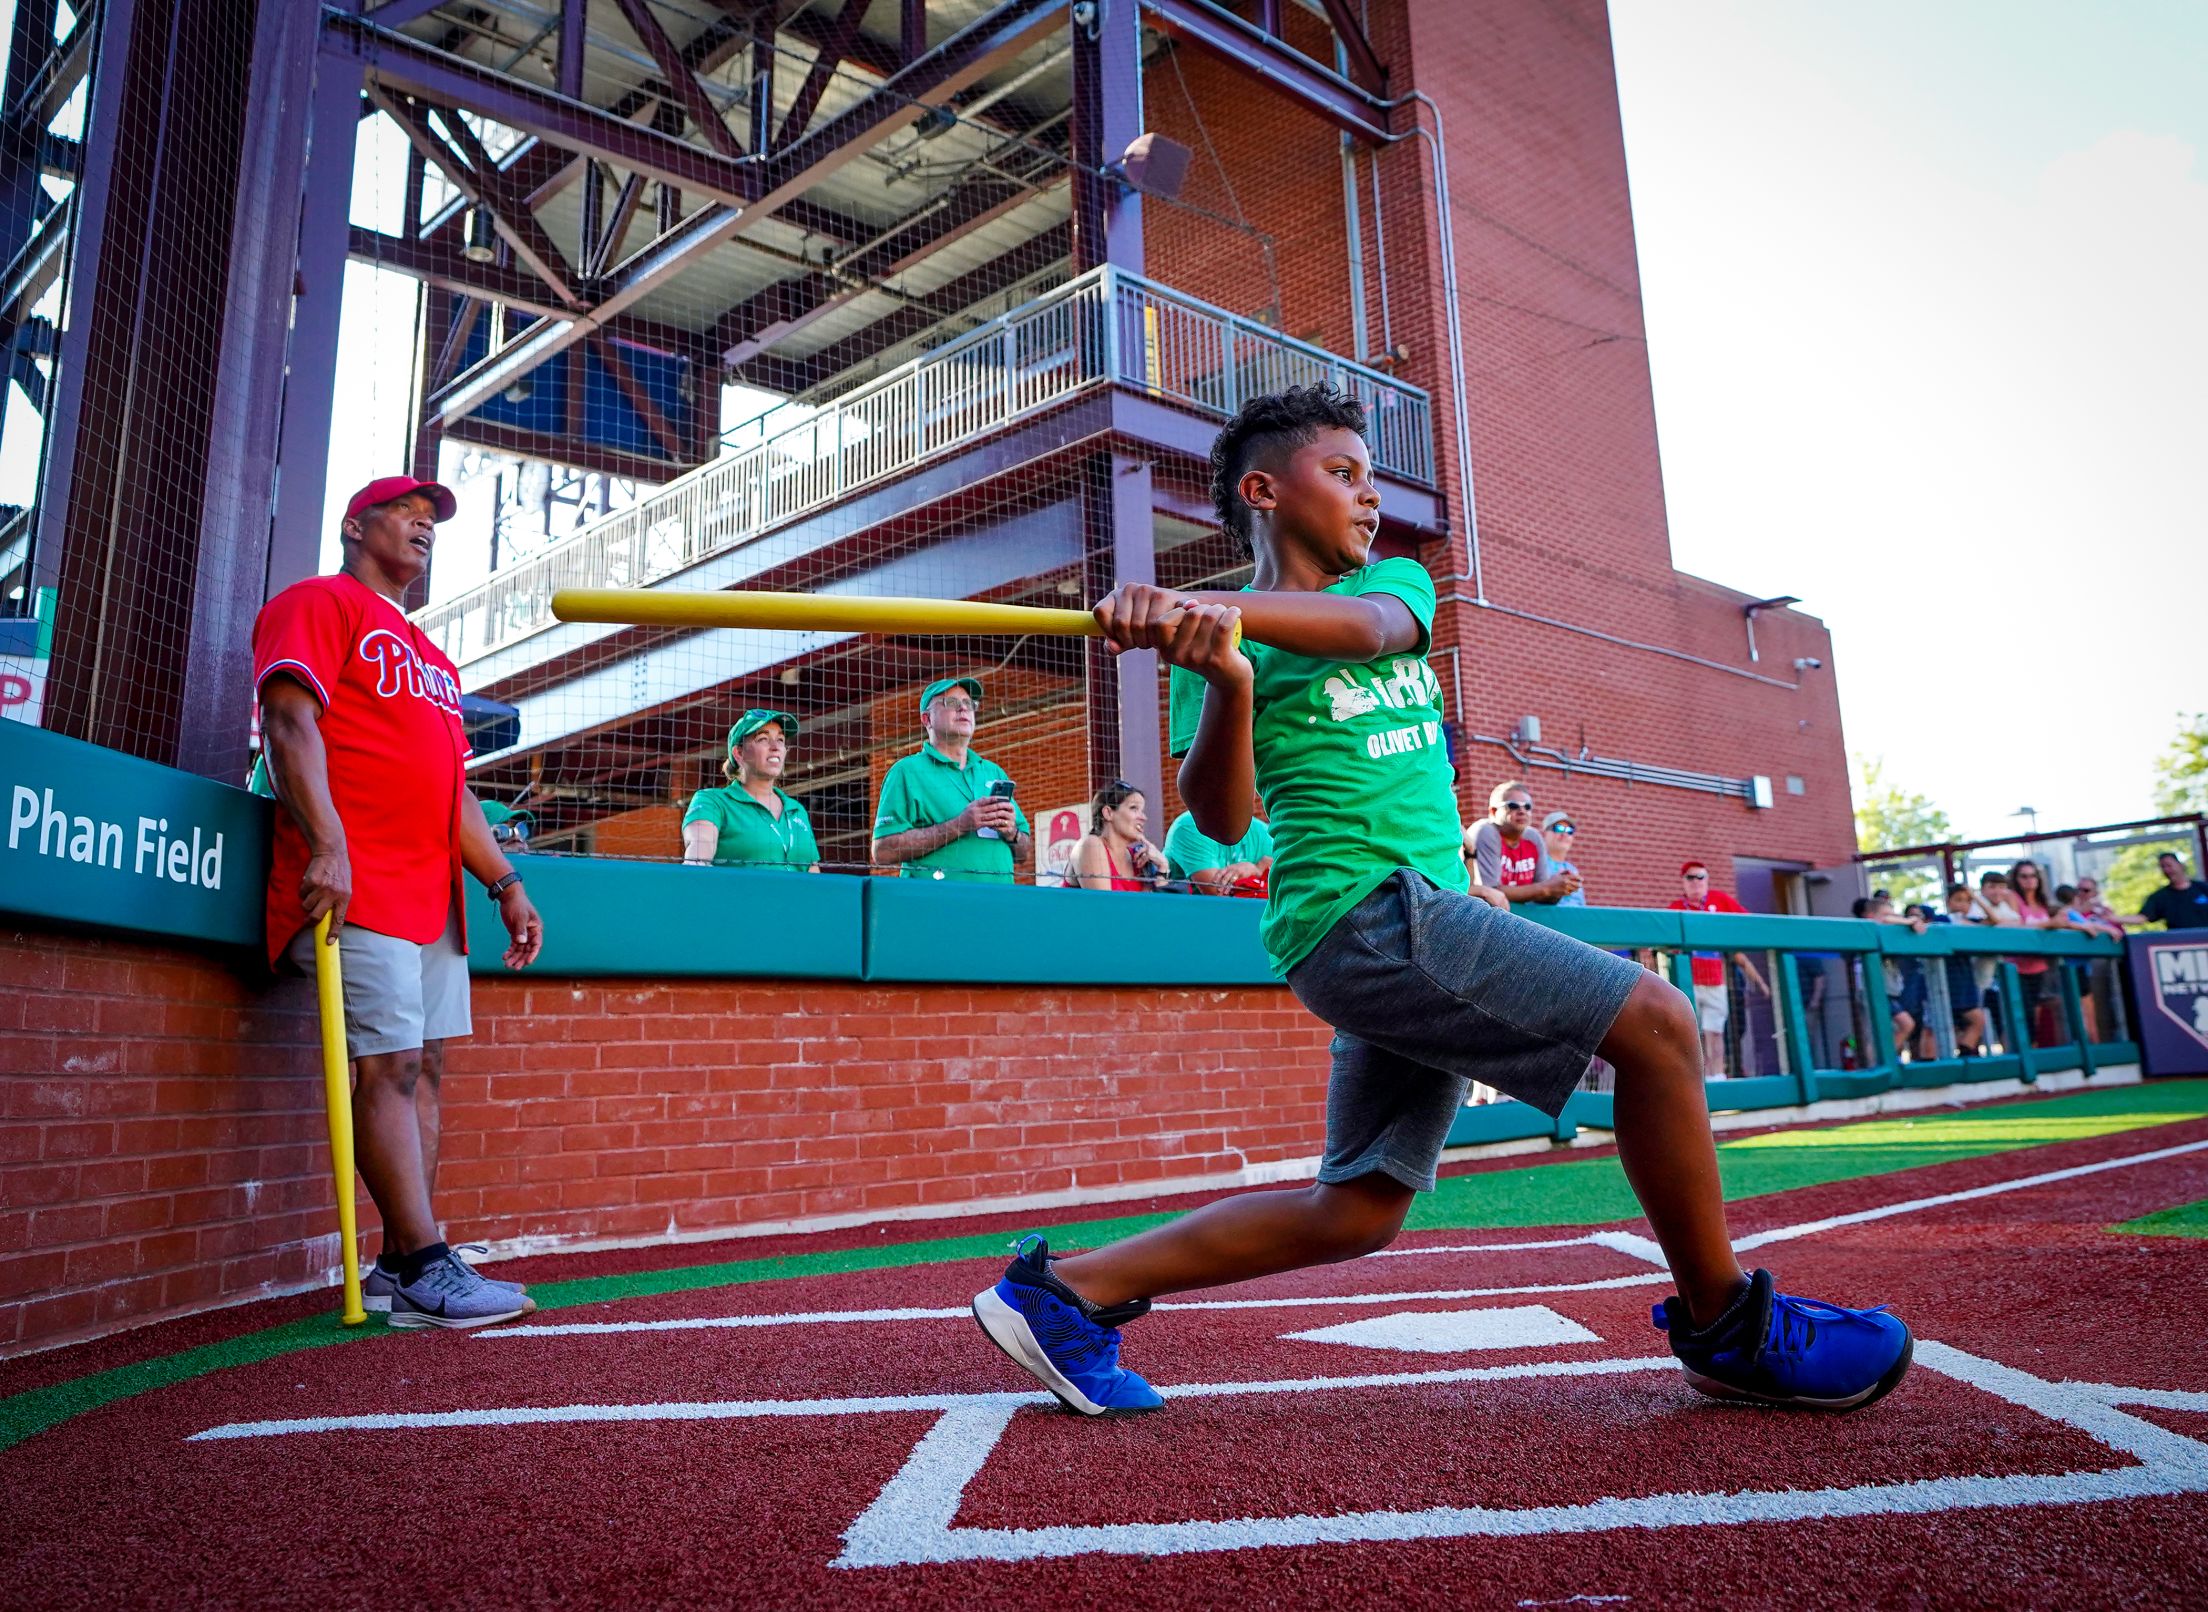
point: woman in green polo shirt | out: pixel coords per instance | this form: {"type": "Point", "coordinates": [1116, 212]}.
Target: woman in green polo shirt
{"type": "Point", "coordinates": [751, 823]}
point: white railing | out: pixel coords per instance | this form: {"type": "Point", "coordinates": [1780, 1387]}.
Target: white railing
{"type": "Point", "coordinates": [1107, 325]}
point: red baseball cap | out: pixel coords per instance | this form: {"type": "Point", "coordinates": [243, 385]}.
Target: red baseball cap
{"type": "Point", "coordinates": [1689, 867]}
{"type": "Point", "coordinates": [384, 489]}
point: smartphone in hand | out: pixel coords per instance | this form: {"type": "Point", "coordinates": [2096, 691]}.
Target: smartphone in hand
{"type": "Point", "coordinates": [1000, 790]}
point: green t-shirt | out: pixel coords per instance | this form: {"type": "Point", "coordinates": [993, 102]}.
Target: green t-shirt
{"type": "Point", "coordinates": [752, 836]}
{"type": "Point", "coordinates": [926, 788]}
{"type": "Point", "coordinates": [1352, 768]}
{"type": "Point", "coordinates": [1189, 849]}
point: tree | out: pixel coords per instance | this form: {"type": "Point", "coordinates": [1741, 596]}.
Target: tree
{"type": "Point", "coordinates": [2180, 785]}
{"type": "Point", "coordinates": [1888, 817]}
{"type": "Point", "coordinates": [2181, 771]}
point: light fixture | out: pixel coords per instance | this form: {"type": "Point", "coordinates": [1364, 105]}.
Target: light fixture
{"type": "Point", "coordinates": [518, 392]}
{"type": "Point", "coordinates": [482, 237]}
{"type": "Point", "coordinates": [1152, 164]}
{"type": "Point", "coordinates": [790, 675]}
{"type": "Point", "coordinates": [1778, 601]}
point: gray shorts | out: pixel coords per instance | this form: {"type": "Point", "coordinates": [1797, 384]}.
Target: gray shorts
{"type": "Point", "coordinates": [1429, 990]}
{"type": "Point", "coordinates": [397, 994]}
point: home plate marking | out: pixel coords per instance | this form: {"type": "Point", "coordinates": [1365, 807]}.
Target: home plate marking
{"type": "Point", "coordinates": [1448, 1332]}
{"type": "Point", "coordinates": [912, 1519]}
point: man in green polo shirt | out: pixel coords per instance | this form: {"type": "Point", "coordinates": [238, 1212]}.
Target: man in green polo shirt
{"type": "Point", "coordinates": [1216, 869]}
{"type": "Point", "coordinates": [751, 823]}
{"type": "Point", "coordinates": [939, 816]}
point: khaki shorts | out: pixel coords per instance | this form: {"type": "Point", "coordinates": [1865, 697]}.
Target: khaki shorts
{"type": "Point", "coordinates": [1710, 1007]}
{"type": "Point", "coordinates": [397, 994]}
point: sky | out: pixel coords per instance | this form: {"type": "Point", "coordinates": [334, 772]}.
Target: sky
{"type": "Point", "coordinates": [1926, 287]}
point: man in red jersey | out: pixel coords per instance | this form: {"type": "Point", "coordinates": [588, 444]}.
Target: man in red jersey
{"type": "Point", "coordinates": [1712, 1009]}
{"type": "Point", "coordinates": [360, 720]}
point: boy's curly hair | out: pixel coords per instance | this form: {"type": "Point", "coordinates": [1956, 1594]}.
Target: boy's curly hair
{"type": "Point", "coordinates": [1289, 419]}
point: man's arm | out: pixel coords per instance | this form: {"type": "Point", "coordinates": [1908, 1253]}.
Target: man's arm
{"type": "Point", "coordinates": [299, 768]}
{"type": "Point", "coordinates": [988, 812]}
{"type": "Point", "coordinates": [480, 855]}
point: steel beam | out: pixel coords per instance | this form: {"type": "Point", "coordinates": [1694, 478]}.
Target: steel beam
{"type": "Point", "coordinates": [638, 399]}
{"type": "Point", "coordinates": [828, 56]}
{"type": "Point", "coordinates": [437, 264]}
{"type": "Point", "coordinates": [685, 84]}
{"type": "Point", "coordinates": [566, 450]}
{"type": "Point", "coordinates": [1107, 115]}
{"type": "Point", "coordinates": [1219, 33]}
{"type": "Point", "coordinates": [963, 59]}
{"type": "Point", "coordinates": [1364, 63]}
{"type": "Point", "coordinates": [783, 309]}
{"type": "Point", "coordinates": [475, 175]}
{"type": "Point", "coordinates": [407, 64]}
{"type": "Point", "coordinates": [398, 13]}
{"type": "Point", "coordinates": [945, 302]}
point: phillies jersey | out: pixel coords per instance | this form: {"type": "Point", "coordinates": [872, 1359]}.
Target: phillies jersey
{"type": "Point", "coordinates": [391, 729]}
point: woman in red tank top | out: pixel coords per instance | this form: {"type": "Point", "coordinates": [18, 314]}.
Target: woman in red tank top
{"type": "Point", "coordinates": [1113, 855]}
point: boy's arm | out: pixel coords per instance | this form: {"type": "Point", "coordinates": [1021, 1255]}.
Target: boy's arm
{"type": "Point", "coordinates": [1219, 774]}
{"type": "Point", "coordinates": [1322, 626]}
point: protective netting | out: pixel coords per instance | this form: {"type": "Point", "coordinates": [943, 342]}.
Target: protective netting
{"type": "Point", "coordinates": [888, 381]}
{"type": "Point", "coordinates": [108, 410]}
{"type": "Point", "coordinates": [673, 294]}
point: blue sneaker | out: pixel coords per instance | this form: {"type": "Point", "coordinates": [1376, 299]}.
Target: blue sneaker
{"type": "Point", "coordinates": [1071, 1348]}
{"type": "Point", "coordinates": [1771, 1348]}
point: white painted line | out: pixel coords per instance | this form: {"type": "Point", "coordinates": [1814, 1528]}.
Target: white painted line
{"type": "Point", "coordinates": [1437, 1295]}
{"type": "Point", "coordinates": [749, 1409]}
{"type": "Point", "coordinates": [1481, 1248]}
{"type": "Point", "coordinates": [905, 1525]}
{"type": "Point", "coordinates": [1623, 1242]}
{"type": "Point", "coordinates": [694, 1323]}
{"type": "Point", "coordinates": [1444, 1332]}
{"type": "Point", "coordinates": [1810, 1228]}
{"type": "Point", "coordinates": [2183, 1399]}
{"type": "Point", "coordinates": [1633, 1245]}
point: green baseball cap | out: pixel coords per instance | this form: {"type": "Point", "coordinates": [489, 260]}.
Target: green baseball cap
{"type": "Point", "coordinates": [753, 720]}
{"type": "Point", "coordinates": [943, 685]}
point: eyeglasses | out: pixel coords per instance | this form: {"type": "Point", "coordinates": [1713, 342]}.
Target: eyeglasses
{"type": "Point", "coordinates": [1695, 878]}
{"type": "Point", "coordinates": [1517, 805]}
{"type": "Point", "coordinates": [1564, 828]}
{"type": "Point", "coordinates": [949, 703]}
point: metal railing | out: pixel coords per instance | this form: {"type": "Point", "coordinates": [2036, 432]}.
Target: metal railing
{"type": "Point", "coordinates": [1107, 326]}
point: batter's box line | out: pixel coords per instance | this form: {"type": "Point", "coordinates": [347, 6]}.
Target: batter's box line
{"type": "Point", "coordinates": [1623, 1242]}
{"type": "Point", "coordinates": [911, 1521]}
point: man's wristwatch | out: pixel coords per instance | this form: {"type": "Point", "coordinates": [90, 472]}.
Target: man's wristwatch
{"type": "Point", "coordinates": [498, 887]}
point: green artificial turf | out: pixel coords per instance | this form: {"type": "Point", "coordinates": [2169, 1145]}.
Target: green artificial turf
{"type": "Point", "coordinates": [2182, 1220]}
{"type": "Point", "coordinates": [1573, 1192]}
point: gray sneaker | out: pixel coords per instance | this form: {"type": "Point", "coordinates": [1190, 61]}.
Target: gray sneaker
{"type": "Point", "coordinates": [377, 1285]}
{"type": "Point", "coordinates": [448, 1294]}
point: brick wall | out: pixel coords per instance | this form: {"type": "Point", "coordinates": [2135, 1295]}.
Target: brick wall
{"type": "Point", "coordinates": [161, 1137]}
{"type": "Point", "coordinates": [162, 1145]}
{"type": "Point", "coordinates": [1562, 420]}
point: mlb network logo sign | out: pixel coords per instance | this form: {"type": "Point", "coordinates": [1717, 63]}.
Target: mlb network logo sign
{"type": "Point", "coordinates": [2181, 987]}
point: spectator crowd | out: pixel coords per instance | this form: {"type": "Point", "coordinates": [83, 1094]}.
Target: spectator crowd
{"type": "Point", "coordinates": [946, 811]}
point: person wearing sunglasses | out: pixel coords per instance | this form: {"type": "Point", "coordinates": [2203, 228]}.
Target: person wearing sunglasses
{"type": "Point", "coordinates": [1559, 835]}
{"type": "Point", "coordinates": [1507, 855]}
{"type": "Point", "coordinates": [1712, 1003]}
